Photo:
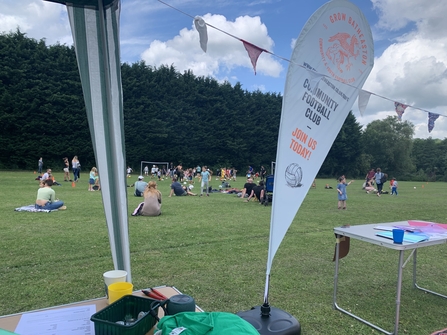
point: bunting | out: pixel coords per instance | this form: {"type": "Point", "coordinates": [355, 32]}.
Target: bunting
{"type": "Point", "coordinates": [432, 117]}
{"type": "Point", "coordinates": [200, 25]}
{"type": "Point", "coordinates": [400, 109]}
{"type": "Point", "coordinates": [253, 52]}
{"type": "Point", "coordinates": [363, 100]}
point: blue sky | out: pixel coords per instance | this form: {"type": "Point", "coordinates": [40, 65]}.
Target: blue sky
{"type": "Point", "coordinates": [410, 40]}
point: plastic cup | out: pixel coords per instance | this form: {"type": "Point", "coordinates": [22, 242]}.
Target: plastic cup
{"type": "Point", "coordinates": [113, 276]}
{"type": "Point", "coordinates": [398, 236]}
{"type": "Point", "coordinates": [119, 290]}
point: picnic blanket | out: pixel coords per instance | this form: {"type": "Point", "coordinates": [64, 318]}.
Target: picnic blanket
{"type": "Point", "coordinates": [31, 208]}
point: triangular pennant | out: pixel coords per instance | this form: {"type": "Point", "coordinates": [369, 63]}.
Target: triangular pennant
{"type": "Point", "coordinates": [363, 100]}
{"type": "Point", "coordinates": [432, 117]}
{"type": "Point", "coordinates": [203, 33]}
{"type": "Point", "coordinates": [400, 110]}
{"type": "Point", "coordinates": [253, 52]}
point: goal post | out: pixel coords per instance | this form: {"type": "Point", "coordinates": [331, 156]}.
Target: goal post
{"type": "Point", "coordinates": [149, 164]}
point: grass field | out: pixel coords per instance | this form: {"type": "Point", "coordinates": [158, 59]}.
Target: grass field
{"type": "Point", "coordinates": [215, 249]}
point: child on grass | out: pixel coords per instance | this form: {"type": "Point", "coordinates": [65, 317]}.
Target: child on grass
{"type": "Point", "coordinates": [394, 187]}
{"type": "Point", "coordinates": [341, 189]}
{"type": "Point", "coordinates": [92, 179]}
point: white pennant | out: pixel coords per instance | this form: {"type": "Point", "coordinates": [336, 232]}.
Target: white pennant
{"type": "Point", "coordinates": [363, 100]}
{"type": "Point", "coordinates": [203, 33]}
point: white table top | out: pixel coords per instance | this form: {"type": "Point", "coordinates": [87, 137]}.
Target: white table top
{"type": "Point", "coordinates": [367, 233]}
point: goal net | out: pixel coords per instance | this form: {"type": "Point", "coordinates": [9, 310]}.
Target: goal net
{"type": "Point", "coordinates": [149, 165]}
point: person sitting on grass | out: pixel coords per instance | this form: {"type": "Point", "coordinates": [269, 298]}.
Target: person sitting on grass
{"type": "Point", "coordinates": [248, 188]}
{"type": "Point", "coordinates": [258, 192]}
{"type": "Point", "coordinates": [152, 200]}
{"type": "Point", "coordinates": [46, 197]}
{"type": "Point", "coordinates": [178, 189]}
{"type": "Point", "coordinates": [369, 188]}
{"type": "Point", "coordinates": [46, 175]}
{"type": "Point", "coordinates": [140, 186]}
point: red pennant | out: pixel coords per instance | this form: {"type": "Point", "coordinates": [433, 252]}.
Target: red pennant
{"type": "Point", "coordinates": [253, 52]}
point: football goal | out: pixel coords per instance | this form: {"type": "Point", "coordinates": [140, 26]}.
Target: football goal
{"type": "Point", "coordinates": [149, 165]}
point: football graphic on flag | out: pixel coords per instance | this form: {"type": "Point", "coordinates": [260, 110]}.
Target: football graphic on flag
{"type": "Point", "coordinates": [294, 175]}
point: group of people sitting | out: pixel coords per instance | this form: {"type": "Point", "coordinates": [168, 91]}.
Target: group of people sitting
{"type": "Point", "coordinates": [151, 206]}
{"type": "Point", "coordinates": [252, 190]}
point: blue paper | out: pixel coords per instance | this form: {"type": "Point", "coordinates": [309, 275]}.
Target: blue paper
{"type": "Point", "coordinates": [408, 237]}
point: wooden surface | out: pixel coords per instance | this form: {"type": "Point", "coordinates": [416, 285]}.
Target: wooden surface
{"type": "Point", "coordinates": [9, 322]}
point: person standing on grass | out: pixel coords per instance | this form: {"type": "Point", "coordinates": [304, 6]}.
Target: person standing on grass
{"type": "Point", "coordinates": [75, 166]}
{"type": "Point", "coordinates": [92, 178]}
{"type": "Point", "coordinates": [129, 172]}
{"type": "Point", "coordinates": [341, 189]}
{"type": "Point", "coordinates": [46, 197]}
{"type": "Point", "coordinates": [205, 174]}
{"type": "Point", "coordinates": [378, 177]}
{"type": "Point", "coordinates": [394, 187]}
{"type": "Point", "coordinates": [40, 165]}
{"type": "Point", "coordinates": [66, 169]}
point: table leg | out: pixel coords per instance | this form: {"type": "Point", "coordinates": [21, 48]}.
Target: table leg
{"type": "Point", "coordinates": [399, 290]}
{"type": "Point", "coordinates": [337, 253]}
{"type": "Point", "coordinates": [336, 306]}
{"type": "Point", "coordinates": [414, 279]}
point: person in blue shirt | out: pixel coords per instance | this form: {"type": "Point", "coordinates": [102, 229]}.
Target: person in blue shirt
{"type": "Point", "coordinates": [341, 189]}
{"type": "Point", "coordinates": [206, 176]}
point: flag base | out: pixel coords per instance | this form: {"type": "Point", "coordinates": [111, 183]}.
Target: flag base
{"type": "Point", "coordinates": [270, 320]}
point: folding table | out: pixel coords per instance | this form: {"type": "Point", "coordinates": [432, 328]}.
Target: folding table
{"type": "Point", "coordinates": [367, 233]}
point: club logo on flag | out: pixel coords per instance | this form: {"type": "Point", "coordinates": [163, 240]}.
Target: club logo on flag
{"type": "Point", "coordinates": [344, 51]}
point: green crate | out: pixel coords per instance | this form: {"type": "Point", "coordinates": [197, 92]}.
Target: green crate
{"type": "Point", "coordinates": [105, 320]}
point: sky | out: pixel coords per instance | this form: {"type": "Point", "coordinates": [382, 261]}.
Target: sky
{"type": "Point", "coordinates": [410, 45]}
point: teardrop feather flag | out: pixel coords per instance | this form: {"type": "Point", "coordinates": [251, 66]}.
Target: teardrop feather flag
{"type": "Point", "coordinates": [336, 42]}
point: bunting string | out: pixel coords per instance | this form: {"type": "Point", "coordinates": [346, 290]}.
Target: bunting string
{"type": "Point", "coordinates": [254, 52]}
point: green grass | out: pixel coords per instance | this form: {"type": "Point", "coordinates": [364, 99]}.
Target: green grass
{"type": "Point", "coordinates": [215, 249]}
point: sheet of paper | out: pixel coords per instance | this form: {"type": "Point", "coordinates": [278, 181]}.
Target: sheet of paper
{"type": "Point", "coordinates": [67, 321]}
{"type": "Point", "coordinates": [408, 237]}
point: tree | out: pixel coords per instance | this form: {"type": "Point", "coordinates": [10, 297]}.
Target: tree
{"type": "Point", "coordinates": [390, 143]}
{"type": "Point", "coordinates": [345, 155]}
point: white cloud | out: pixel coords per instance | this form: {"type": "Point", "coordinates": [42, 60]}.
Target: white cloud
{"type": "Point", "coordinates": [412, 70]}
{"type": "Point", "coordinates": [38, 19]}
{"type": "Point", "coordinates": [224, 52]}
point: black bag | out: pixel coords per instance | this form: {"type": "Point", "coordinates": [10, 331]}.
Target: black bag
{"type": "Point", "coordinates": [383, 179]}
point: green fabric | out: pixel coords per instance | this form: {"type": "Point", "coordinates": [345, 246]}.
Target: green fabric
{"type": "Point", "coordinates": [206, 323]}
{"type": "Point", "coordinates": [5, 332]}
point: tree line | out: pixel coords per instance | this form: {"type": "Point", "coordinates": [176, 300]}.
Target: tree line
{"type": "Point", "coordinates": [178, 117]}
